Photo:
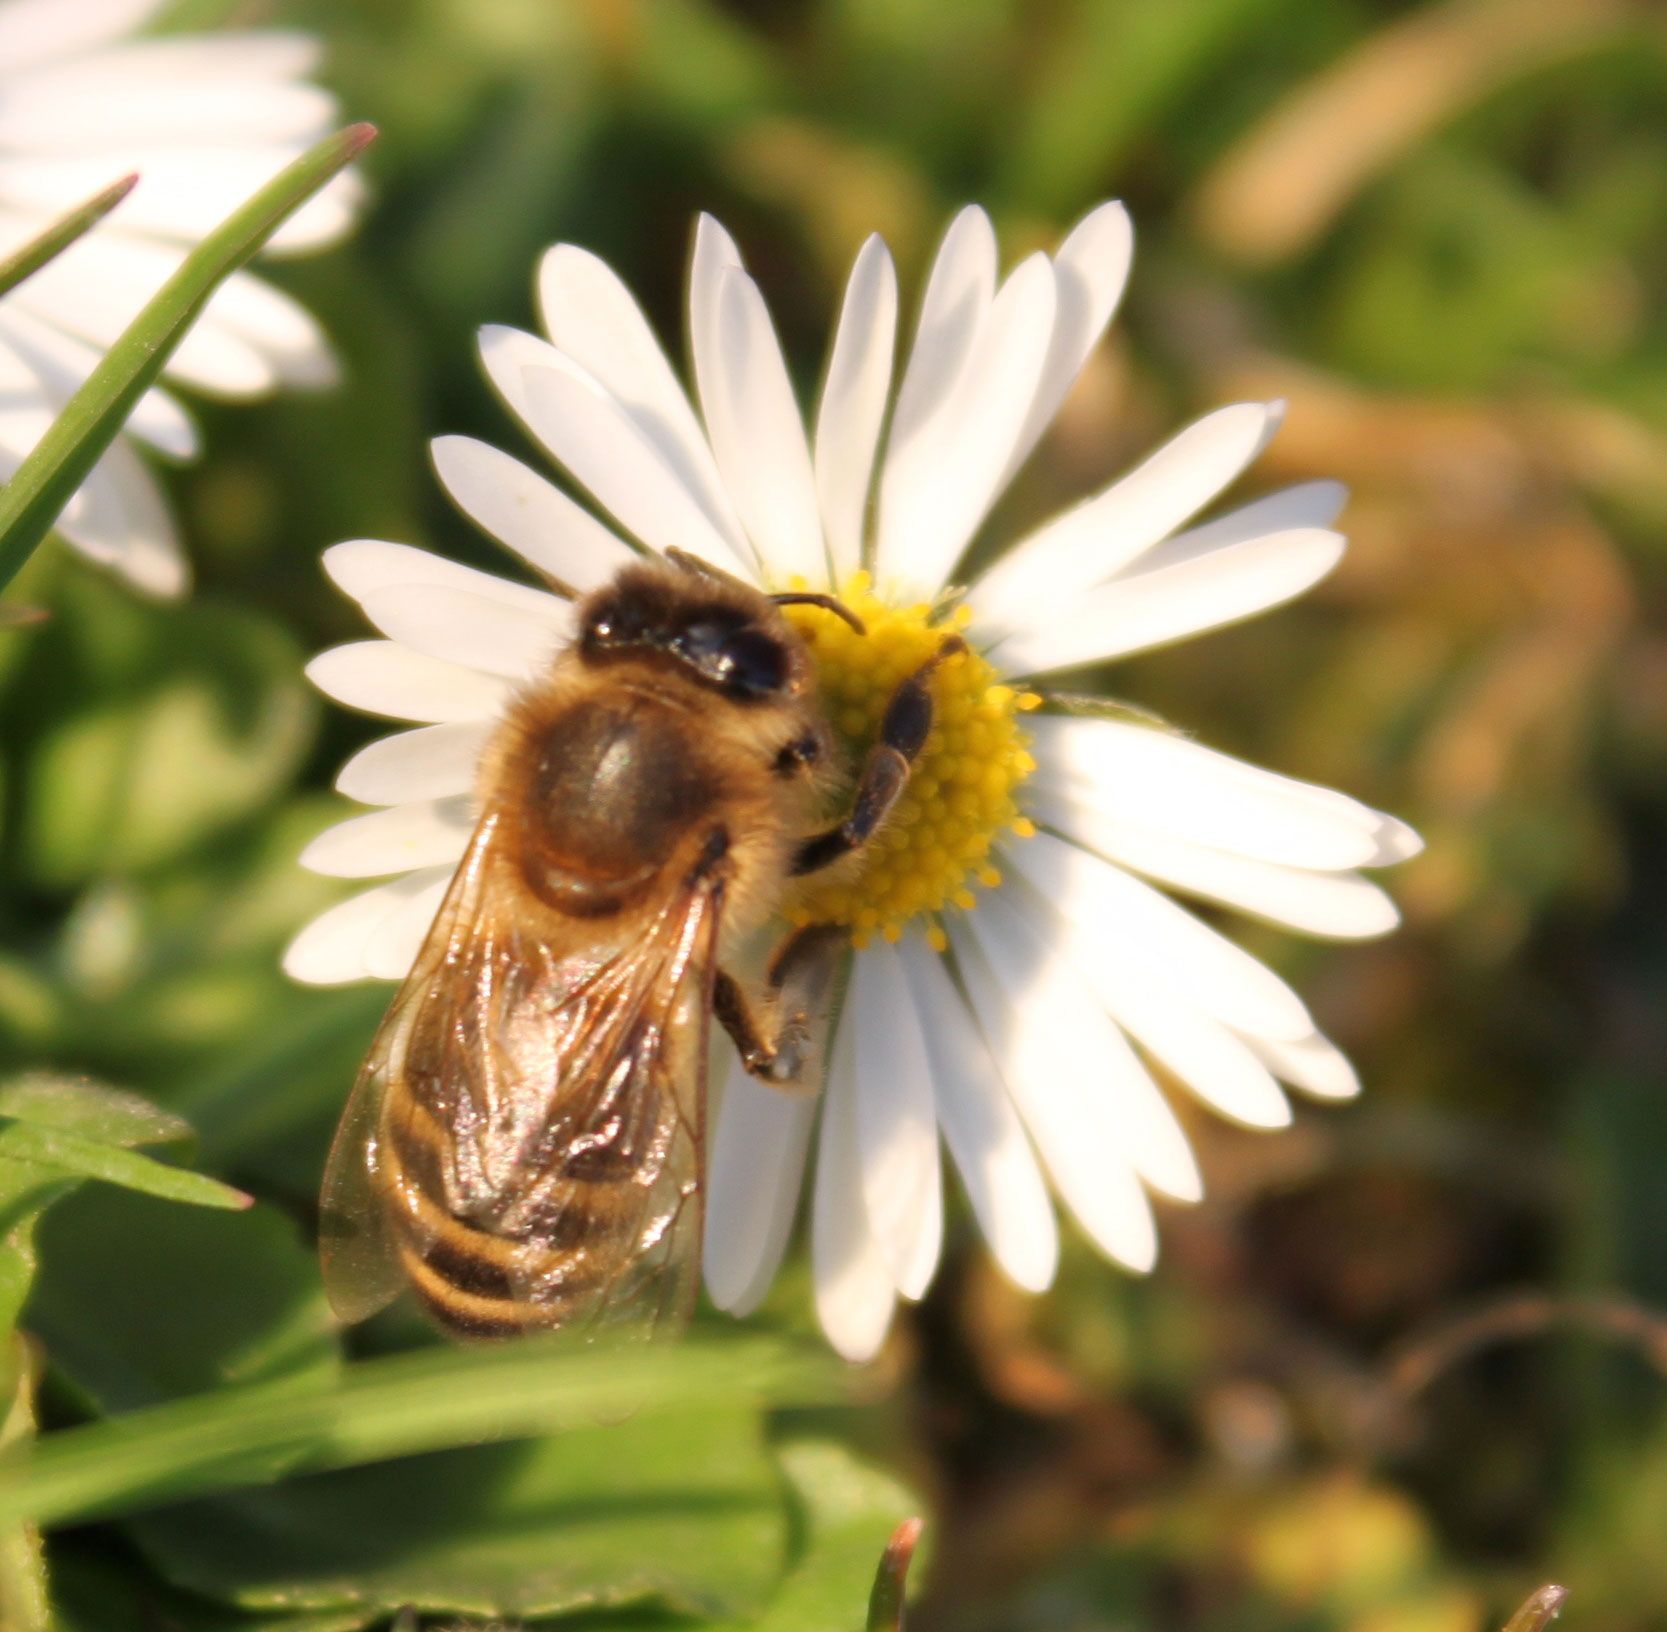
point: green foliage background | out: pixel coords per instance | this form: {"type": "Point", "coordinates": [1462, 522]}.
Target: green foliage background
{"type": "Point", "coordinates": [1401, 1365]}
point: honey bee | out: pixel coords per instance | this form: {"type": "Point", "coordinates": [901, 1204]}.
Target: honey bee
{"type": "Point", "coordinates": [524, 1145]}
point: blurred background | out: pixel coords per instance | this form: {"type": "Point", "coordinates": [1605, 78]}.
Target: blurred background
{"type": "Point", "coordinates": [1402, 1364]}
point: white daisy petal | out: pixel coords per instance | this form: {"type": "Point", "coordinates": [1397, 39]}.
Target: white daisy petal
{"type": "Point", "coordinates": [938, 486]}
{"type": "Point", "coordinates": [395, 941]}
{"type": "Point", "coordinates": [758, 436]}
{"type": "Point", "coordinates": [1341, 906]}
{"type": "Point", "coordinates": [432, 762]}
{"type": "Point", "coordinates": [123, 522]}
{"type": "Point", "coordinates": [332, 948]}
{"type": "Point", "coordinates": [1152, 608]}
{"type": "Point", "coordinates": [853, 405]}
{"type": "Point", "coordinates": [959, 292]}
{"type": "Point", "coordinates": [1112, 909]}
{"type": "Point", "coordinates": [38, 31]}
{"type": "Point", "coordinates": [1313, 1063]}
{"type": "Point", "coordinates": [1076, 1130]}
{"type": "Point", "coordinates": [897, 1129]}
{"type": "Point", "coordinates": [471, 630]}
{"type": "Point", "coordinates": [365, 566]}
{"type": "Point", "coordinates": [982, 1129]}
{"type": "Point", "coordinates": [601, 445]}
{"type": "Point", "coordinates": [592, 317]}
{"type": "Point", "coordinates": [61, 365]}
{"type": "Point", "coordinates": [1090, 270]}
{"type": "Point", "coordinates": [1208, 1058]}
{"type": "Point", "coordinates": [396, 840]}
{"type": "Point", "coordinates": [1021, 945]}
{"type": "Point", "coordinates": [855, 1293]}
{"type": "Point", "coordinates": [1024, 590]}
{"type": "Point", "coordinates": [529, 515]}
{"type": "Point", "coordinates": [754, 1173]}
{"type": "Point", "coordinates": [1306, 506]}
{"type": "Point", "coordinates": [1156, 779]}
{"type": "Point", "coordinates": [383, 677]}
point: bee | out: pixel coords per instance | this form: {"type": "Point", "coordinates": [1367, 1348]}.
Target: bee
{"type": "Point", "coordinates": [524, 1146]}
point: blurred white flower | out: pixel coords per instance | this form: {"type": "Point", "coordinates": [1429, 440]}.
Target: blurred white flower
{"type": "Point", "coordinates": [1016, 970]}
{"type": "Point", "coordinates": [206, 120]}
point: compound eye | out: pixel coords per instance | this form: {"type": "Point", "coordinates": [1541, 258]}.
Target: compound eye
{"type": "Point", "coordinates": [741, 660]}
{"type": "Point", "coordinates": [757, 664]}
{"type": "Point", "coordinates": [612, 624]}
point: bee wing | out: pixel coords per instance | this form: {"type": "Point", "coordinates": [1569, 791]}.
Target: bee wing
{"type": "Point", "coordinates": [525, 1144]}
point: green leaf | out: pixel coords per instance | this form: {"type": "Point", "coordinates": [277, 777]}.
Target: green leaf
{"type": "Point", "coordinates": [42, 486]}
{"type": "Point", "coordinates": [50, 244]}
{"type": "Point", "coordinates": [57, 1131]}
{"type": "Point", "coordinates": [23, 1595]}
{"type": "Point", "coordinates": [848, 1512]}
{"type": "Point", "coordinates": [138, 1302]}
{"type": "Point", "coordinates": [378, 1409]}
{"type": "Point", "coordinates": [889, 1596]}
{"type": "Point", "coordinates": [680, 1509]}
{"type": "Point", "coordinates": [70, 1156]}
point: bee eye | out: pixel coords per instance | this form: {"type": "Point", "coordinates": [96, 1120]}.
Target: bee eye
{"type": "Point", "coordinates": [743, 661]}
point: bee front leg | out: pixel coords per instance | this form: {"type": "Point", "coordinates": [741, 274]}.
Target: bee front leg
{"type": "Point", "coordinates": [903, 731]}
{"type": "Point", "coordinates": [784, 1049]}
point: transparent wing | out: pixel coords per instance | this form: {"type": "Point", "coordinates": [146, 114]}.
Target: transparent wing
{"type": "Point", "coordinates": [525, 1143]}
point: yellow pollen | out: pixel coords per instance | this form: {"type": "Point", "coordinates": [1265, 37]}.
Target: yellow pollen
{"type": "Point", "coordinates": [960, 798]}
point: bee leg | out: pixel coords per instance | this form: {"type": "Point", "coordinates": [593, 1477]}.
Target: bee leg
{"type": "Point", "coordinates": [783, 1050]}
{"type": "Point", "coordinates": [903, 732]}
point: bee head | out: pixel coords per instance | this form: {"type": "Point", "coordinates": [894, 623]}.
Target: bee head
{"type": "Point", "coordinates": [728, 636]}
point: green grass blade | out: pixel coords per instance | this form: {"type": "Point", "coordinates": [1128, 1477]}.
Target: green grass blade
{"type": "Point", "coordinates": [61, 234]}
{"type": "Point", "coordinates": [31, 501]}
{"type": "Point", "coordinates": [73, 1156]}
{"type": "Point", "coordinates": [377, 1409]}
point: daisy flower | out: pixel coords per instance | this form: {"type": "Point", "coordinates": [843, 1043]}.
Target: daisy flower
{"type": "Point", "coordinates": [1019, 968]}
{"type": "Point", "coordinates": [205, 120]}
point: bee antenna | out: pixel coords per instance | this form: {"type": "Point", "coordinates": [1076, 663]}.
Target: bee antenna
{"type": "Point", "coordinates": [828, 603]}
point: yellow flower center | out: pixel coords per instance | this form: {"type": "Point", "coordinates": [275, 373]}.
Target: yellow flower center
{"type": "Point", "coordinates": [934, 847]}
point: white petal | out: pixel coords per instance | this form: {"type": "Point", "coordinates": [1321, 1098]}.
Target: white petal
{"type": "Point", "coordinates": [854, 1289]}
{"type": "Point", "coordinates": [1090, 270]}
{"type": "Point", "coordinates": [755, 1171]}
{"type": "Point", "coordinates": [758, 436]}
{"type": "Point", "coordinates": [853, 405]}
{"type": "Point", "coordinates": [383, 677]}
{"type": "Point", "coordinates": [1152, 608]}
{"type": "Point", "coordinates": [1075, 1128]}
{"type": "Point", "coordinates": [897, 1127]}
{"type": "Point", "coordinates": [604, 449]}
{"type": "Point", "coordinates": [535, 519]}
{"type": "Point", "coordinates": [939, 485]}
{"type": "Point", "coordinates": [958, 294]}
{"type": "Point", "coordinates": [363, 566]}
{"type": "Point", "coordinates": [1027, 587]}
{"type": "Point", "coordinates": [37, 31]}
{"type": "Point", "coordinates": [432, 762]}
{"type": "Point", "coordinates": [982, 1129]}
{"type": "Point", "coordinates": [470, 630]}
{"type": "Point", "coordinates": [1314, 1064]}
{"type": "Point", "coordinates": [332, 948]}
{"type": "Point", "coordinates": [1342, 906]}
{"type": "Point", "coordinates": [135, 96]}
{"type": "Point", "coordinates": [1024, 950]}
{"type": "Point", "coordinates": [1111, 908]}
{"type": "Point", "coordinates": [399, 839]}
{"type": "Point", "coordinates": [1157, 779]}
{"type": "Point", "coordinates": [592, 317]}
{"type": "Point", "coordinates": [1287, 510]}
{"type": "Point", "coordinates": [395, 941]}
{"type": "Point", "coordinates": [1208, 1058]}
{"type": "Point", "coordinates": [120, 519]}
{"type": "Point", "coordinates": [62, 365]}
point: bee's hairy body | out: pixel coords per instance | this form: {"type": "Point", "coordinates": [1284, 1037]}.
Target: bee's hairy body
{"type": "Point", "coordinates": [525, 1146]}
